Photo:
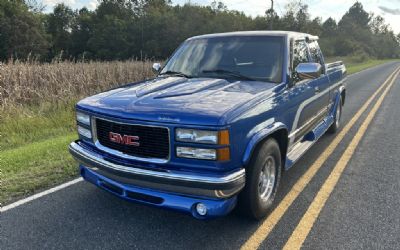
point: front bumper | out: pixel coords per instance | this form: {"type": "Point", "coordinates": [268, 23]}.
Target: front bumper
{"type": "Point", "coordinates": [172, 189]}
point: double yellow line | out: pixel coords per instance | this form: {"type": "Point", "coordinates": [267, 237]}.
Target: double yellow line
{"type": "Point", "coordinates": [303, 228]}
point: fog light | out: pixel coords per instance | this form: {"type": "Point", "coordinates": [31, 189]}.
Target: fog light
{"type": "Point", "coordinates": [84, 132]}
{"type": "Point", "coordinates": [196, 153]}
{"type": "Point", "coordinates": [201, 209]}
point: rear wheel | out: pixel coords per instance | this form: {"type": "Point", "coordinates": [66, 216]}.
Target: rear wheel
{"type": "Point", "coordinates": [262, 181]}
{"type": "Point", "coordinates": [338, 115]}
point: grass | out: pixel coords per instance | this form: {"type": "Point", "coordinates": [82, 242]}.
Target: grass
{"type": "Point", "coordinates": [27, 125]}
{"type": "Point", "coordinates": [37, 119]}
{"type": "Point", "coordinates": [354, 66]}
{"type": "Point", "coordinates": [34, 154]}
{"type": "Point", "coordinates": [35, 166]}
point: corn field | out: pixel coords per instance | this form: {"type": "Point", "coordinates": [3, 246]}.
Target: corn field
{"type": "Point", "coordinates": [32, 83]}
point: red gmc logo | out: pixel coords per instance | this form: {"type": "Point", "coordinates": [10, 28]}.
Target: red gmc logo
{"type": "Point", "coordinates": [124, 139]}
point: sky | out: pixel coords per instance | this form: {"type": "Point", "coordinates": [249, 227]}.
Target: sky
{"type": "Point", "coordinates": [389, 9]}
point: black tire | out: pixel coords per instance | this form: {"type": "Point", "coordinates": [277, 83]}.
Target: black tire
{"type": "Point", "coordinates": [336, 123]}
{"type": "Point", "coordinates": [250, 202]}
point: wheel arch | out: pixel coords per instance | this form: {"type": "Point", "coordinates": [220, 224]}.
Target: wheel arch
{"type": "Point", "coordinates": [342, 91]}
{"type": "Point", "coordinates": [279, 133]}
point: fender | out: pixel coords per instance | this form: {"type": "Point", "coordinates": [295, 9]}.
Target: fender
{"type": "Point", "coordinates": [337, 98]}
{"type": "Point", "coordinates": [259, 133]}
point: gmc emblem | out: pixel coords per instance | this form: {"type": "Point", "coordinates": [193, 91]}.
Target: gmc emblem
{"type": "Point", "coordinates": [125, 139]}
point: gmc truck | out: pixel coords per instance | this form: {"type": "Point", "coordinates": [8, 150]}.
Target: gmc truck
{"type": "Point", "coordinates": [225, 116]}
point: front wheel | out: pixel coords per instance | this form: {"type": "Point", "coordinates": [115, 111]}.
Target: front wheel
{"type": "Point", "coordinates": [262, 181]}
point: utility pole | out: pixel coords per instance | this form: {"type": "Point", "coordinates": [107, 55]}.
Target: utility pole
{"type": "Point", "coordinates": [271, 24]}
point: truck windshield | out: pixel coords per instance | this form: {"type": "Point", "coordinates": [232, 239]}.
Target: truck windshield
{"type": "Point", "coordinates": [257, 58]}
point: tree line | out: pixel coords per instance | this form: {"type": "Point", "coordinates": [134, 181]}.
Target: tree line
{"type": "Point", "coordinates": [149, 29]}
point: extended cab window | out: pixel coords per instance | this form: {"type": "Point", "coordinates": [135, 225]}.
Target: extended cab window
{"type": "Point", "coordinates": [315, 52]}
{"type": "Point", "coordinates": [249, 57]}
{"type": "Point", "coordinates": [300, 55]}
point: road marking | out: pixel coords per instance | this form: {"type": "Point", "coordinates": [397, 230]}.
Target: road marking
{"type": "Point", "coordinates": [38, 195]}
{"type": "Point", "coordinates": [269, 223]}
{"type": "Point", "coordinates": [306, 223]}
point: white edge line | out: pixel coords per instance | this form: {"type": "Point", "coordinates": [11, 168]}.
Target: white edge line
{"type": "Point", "coordinates": [38, 195]}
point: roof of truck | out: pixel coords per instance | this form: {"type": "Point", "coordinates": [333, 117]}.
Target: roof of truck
{"type": "Point", "coordinates": [290, 34]}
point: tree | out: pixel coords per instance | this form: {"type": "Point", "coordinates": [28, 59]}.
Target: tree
{"type": "Point", "coordinates": [355, 30]}
{"type": "Point", "coordinates": [111, 22]}
{"type": "Point", "coordinates": [81, 32]}
{"type": "Point", "coordinates": [329, 28]}
{"type": "Point", "coordinates": [123, 29]}
{"type": "Point", "coordinates": [59, 26]}
{"type": "Point", "coordinates": [21, 31]}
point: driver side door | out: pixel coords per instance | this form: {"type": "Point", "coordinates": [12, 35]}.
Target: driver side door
{"type": "Point", "coordinates": [306, 95]}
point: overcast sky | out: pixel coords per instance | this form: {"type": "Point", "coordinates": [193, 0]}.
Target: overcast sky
{"type": "Point", "coordinates": [389, 9]}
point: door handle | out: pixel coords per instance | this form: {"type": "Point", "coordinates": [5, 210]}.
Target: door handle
{"type": "Point", "coordinates": [317, 90]}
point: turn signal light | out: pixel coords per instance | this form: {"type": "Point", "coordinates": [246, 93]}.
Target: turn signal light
{"type": "Point", "coordinates": [223, 154]}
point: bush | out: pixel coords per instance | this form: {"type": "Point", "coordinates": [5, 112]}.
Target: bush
{"type": "Point", "coordinates": [359, 56]}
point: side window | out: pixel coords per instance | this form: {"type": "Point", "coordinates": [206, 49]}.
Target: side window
{"type": "Point", "coordinates": [300, 55]}
{"type": "Point", "coordinates": [315, 52]}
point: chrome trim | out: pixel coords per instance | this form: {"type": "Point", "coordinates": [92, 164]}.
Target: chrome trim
{"type": "Point", "coordinates": [223, 186]}
{"type": "Point", "coordinates": [309, 70]}
{"type": "Point", "coordinates": [126, 156]}
{"type": "Point", "coordinates": [320, 114]}
{"type": "Point", "coordinates": [308, 101]}
{"type": "Point", "coordinates": [96, 158]}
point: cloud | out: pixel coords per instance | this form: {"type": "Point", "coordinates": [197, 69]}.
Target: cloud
{"type": "Point", "coordinates": [54, 2]}
{"type": "Point", "coordinates": [389, 10]}
{"type": "Point", "coordinates": [92, 5]}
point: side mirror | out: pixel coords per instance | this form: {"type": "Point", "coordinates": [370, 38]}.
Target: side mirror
{"type": "Point", "coordinates": [309, 70]}
{"type": "Point", "coordinates": [156, 68]}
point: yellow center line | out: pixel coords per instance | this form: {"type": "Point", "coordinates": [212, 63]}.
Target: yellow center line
{"type": "Point", "coordinates": [269, 223]}
{"type": "Point", "coordinates": [306, 223]}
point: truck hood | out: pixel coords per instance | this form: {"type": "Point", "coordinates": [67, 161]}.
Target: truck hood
{"type": "Point", "coordinates": [200, 101]}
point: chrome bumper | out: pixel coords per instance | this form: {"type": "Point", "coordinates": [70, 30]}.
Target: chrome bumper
{"type": "Point", "coordinates": [223, 186]}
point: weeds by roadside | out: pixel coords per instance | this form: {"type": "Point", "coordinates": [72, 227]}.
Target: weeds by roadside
{"type": "Point", "coordinates": [33, 83]}
{"type": "Point", "coordinates": [37, 116]}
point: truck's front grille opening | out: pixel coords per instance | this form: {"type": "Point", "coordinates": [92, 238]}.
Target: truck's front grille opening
{"type": "Point", "coordinates": [135, 140]}
{"type": "Point", "coordinates": [144, 197]}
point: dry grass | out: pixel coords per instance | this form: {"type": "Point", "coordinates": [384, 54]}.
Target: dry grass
{"type": "Point", "coordinates": [32, 83]}
{"type": "Point", "coordinates": [37, 115]}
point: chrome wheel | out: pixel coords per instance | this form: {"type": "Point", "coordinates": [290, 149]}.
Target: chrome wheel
{"type": "Point", "coordinates": [266, 179]}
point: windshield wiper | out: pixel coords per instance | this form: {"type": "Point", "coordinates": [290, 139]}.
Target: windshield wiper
{"type": "Point", "coordinates": [230, 73]}
{"type": "Point", "coordinates": [175, 73]}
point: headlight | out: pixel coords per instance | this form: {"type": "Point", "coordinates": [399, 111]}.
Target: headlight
{"type": "Point", "coordinates": [196, 153]}
{"type": "Point", "coordinates": [202, 136]}
{"type": "Point", "coordinates": [85, 132]}
{"type": "Point", "coordinates": [221, 154]}
{"type": "Point", "coordinates": [83, 118]}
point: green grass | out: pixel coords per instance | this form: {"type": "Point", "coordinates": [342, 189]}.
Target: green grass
{"type": "Point", "coordinates": [353, 66]}
{"type": "Point", "coordinates": [21, 126]}
{"type": "Point", "coordinates": [34, 149]}
{"type": "Point", "coordinates": [34, 144]}
{"type": "Point", "coordinates": [35, 166]}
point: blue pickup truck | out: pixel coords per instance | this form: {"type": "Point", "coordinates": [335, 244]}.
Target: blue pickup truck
{"type": "Point", "coordinates": [217, 126]}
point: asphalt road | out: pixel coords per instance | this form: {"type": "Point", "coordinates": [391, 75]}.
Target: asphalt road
{"type": "Point", "coordinates": [363, 210]}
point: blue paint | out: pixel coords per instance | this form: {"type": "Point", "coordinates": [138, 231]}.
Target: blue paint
{"type": "Point", "coordinates": [185, 204]}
